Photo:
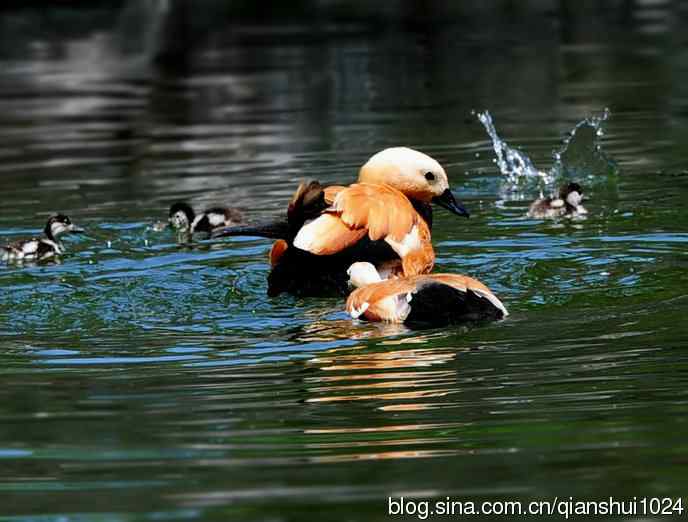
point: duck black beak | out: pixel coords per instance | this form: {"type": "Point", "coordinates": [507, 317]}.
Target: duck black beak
{"type": "Point", "coordinates": [447, 200]}
{"type": "Point", "coordinates": [73, 229]}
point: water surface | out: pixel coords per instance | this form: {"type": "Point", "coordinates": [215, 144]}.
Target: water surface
{"type": "Point", "coordinates": [147, 380]}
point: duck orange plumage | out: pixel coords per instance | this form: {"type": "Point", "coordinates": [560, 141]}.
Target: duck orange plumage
{"type": "Point", "coordinates": [426, 299]}
{"type": "Point", "coordinates": [385, 216]}
{"type": "Point", "coordinates": [379, 211]}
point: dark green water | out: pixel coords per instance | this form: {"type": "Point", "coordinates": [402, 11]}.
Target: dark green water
{"type": "Point", "coordinates": [144, 380]}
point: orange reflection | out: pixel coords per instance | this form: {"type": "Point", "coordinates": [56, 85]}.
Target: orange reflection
{"type": "Point", "coordinates": [406, 376]}
{"type": "Point", "coordinates": [388, 455]}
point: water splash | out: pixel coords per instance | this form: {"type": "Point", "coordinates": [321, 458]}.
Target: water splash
{"type": "Point", "coordinates": [581, 153]}
{"type": "Point", "coordinates": [515, 165]}
{"type": "Point", "coordinates": [580, 156]}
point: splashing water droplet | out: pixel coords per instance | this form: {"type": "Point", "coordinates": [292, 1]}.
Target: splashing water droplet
{"type": "Point", "coordinates": [580, 155]}
{"type": "Point", "coordinates": [512, 163]}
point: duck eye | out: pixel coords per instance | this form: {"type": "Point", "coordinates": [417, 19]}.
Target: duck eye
{"type": "Point", "coordinates": [429, 176]}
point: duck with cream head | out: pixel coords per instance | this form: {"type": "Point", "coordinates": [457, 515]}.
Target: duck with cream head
{"type": "Point", "coordinates": [384, 218]}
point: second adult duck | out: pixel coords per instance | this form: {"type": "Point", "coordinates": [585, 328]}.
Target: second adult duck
{"type": "Point", "coordinates": [384, 218]}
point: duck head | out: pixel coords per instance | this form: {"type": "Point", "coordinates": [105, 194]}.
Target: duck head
{"type": "Point", "coordinates": [363, 273]}
{"type": "Point", "coordinates": [181, 216]}
{"type": "Point", "coordinates": [59, 225]}
{"type": "Point", "coordinates": [572, 195]}
{"type": "Point", "coordinates": [416, 175]}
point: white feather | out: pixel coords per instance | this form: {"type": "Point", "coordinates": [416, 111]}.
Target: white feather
{"type": "Point", "coordinates": [306, 236]}
{"type": "Point", "coordinates": [396, 307]}
{"type": "Point", "coordinates": [410, 242]}
{"type": "Point", "coordinates": [493, 299]}
{"type": "Point", "coordinates": [29, 248]}
{"type": "Point", "coordinates": [216, 220]}
{"type": "Point", "coordinates": [355, 313]}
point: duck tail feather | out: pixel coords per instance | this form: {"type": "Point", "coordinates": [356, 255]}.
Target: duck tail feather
{"type": "Point", "coordinates": [436, 304]}
{"type": "Point", "coordinates": [271, 230]}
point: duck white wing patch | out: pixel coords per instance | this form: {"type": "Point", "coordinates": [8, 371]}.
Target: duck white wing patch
{"type": "Point", "coordinates": [216, 220]}
{"type": "Point", "coordinates": [29, 248]}
{"type": "Point", "coordinates": [493, 300]}
{"type": "Point", "coordinates": [355, 313]}
{"type": "Point", "coordinates": [395, 308]}
{"type": "Point", "coordinates": [557, 203]}
{"type": "Point", "coordinates": [326, 235]}
{"type": "Point", "coordinates": [410, 242]}
{"type": "Point", "coordinates": [306, 236]}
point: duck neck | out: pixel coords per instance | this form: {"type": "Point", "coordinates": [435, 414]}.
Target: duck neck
{"type": "Point", "coordinates": [424, 209]}
{"type": "Point", "coordinates": [49, 233]}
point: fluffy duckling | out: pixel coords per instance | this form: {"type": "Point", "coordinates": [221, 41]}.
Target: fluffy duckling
{"type": "Point", "coordinates": [421, 300]}
{"type": "Point", "coordinates": [385, 216]}
{"type": "Point", "coordinates": [40, 248]}
{"type": "Point", "coordinates": [183, 218]}
{"type": "Point", "coordinates": [568, 204]}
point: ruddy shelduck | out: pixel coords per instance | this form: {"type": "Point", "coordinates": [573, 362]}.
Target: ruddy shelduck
{"type": "Point", "coordinates": [420, 300]}
{"type": "Point", "coordinates": [385, 217]}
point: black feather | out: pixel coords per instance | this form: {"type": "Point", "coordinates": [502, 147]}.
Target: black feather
{"type": "Point", "coordinates": [437, 304]}
{"type": "Point", "coordinates": [183, 207]}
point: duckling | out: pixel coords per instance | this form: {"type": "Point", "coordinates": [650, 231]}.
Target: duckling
{"type": "Point", "coordinates": [426, 300]}
{"type": "Point", "coordinates": [40, 248]}
{"type": "Point", "coordinates": [386, 215]}
{"type": "Point", "coordinates": [184, 219]}
{"type": "Point", "coordinates": [568, 204]}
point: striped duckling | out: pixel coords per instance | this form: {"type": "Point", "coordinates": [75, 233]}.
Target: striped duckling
{"type": "Point", "coordinates": [183, 218]}
{"type": "Point", "coordinates": [41, 248]}
{"type": "Point", "coordinates": [568, 204]}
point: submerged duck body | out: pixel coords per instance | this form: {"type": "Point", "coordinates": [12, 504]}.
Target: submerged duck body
{"type": "Point", "coordinates": [41, 248]}
{"type": "Point", "coordinates": [567, 204]}
{"type": "Point", "coordinates": [183, 218]}
{"type": "Point", "coordinates": [425, 300]}
{"type": "Point", "coordinates": [384, 218]}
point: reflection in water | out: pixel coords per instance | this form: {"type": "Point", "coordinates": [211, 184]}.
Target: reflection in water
{"type": "Point", "coordinates": [345, 381]}
{"type": "Point", "coordinates": [396, 359]}
{"type": "Point", "coordinates": [329, 329]}
{"type": "Point", "coordinates": [143, 379]}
